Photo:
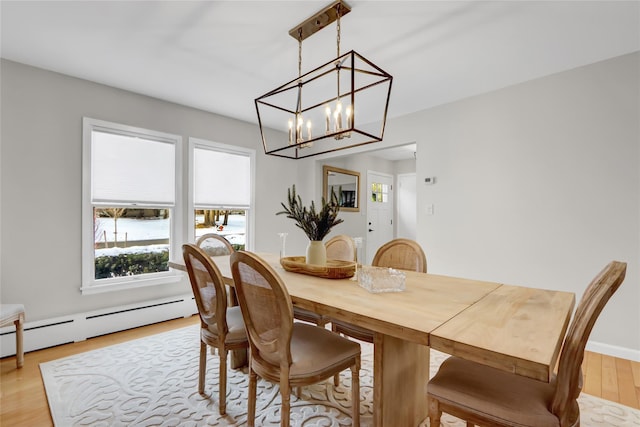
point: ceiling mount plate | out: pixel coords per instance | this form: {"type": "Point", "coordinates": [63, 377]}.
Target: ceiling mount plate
{"type": "Point", "coordinates": [320, 20]}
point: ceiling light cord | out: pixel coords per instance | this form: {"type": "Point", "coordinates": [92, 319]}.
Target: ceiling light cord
{"type": "Point", "coordinates": [338, 29]}
{"type": "Point", "coordinates": [300, 52]}
{"type": "Point", "coordinates": [338, 47]}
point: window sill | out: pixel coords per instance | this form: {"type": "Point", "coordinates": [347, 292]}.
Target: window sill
{"type": "Point", "coordinates": [131, 283]}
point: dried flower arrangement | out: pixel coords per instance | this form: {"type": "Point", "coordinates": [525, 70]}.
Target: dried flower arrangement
{"type": "Point", "coordinates": [315, 224]}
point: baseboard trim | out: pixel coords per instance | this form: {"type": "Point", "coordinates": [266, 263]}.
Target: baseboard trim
{"type": "Point", "coordinates": [81, 326]}
{"type": "Point", "coordinates": [614, 350]}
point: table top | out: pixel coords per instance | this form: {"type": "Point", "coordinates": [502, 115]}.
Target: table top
{"type": "Point", "coordinates": [513, 328]}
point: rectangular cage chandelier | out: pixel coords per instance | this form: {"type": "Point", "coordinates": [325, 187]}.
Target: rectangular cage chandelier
{"type": "Point", "coordinates": [338, 105]}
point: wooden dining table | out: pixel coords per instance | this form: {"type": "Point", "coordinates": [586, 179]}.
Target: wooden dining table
{"type": "Point", "coordinates": [513, 328]}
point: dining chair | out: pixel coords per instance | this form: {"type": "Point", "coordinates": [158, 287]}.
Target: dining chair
{"type": "Point", "coordinates": [214, 244]}
{"type": "Point", "coordinates": [13, 314]}
{"type": "Point", "coordinates": [221, 327]}
{"type": "Point", "coordinates": [401, 254]}
{"type": "Point", "coordinates": [486, 396]}
{"type": "Point", "coordinates": [340, 247]}
{"type": "Point", "coordinates": [217, 245]}
{"type": "Point", "coordinates": [281, 351]}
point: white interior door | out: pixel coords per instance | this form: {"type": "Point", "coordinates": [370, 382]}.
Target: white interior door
{"type": "Point", "coordinates": [407, 208]}
{"type": "Point", "coordinates": [379, 212]}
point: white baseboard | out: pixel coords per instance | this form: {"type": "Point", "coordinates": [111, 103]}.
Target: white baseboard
{"type": "Point", "coordinates": [614, 350]}
{"type": "Point", "coordinates": [80, 326]}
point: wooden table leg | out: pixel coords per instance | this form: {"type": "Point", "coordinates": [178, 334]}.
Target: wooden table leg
{"type": "Point", "coordinates": [400, 377]}
{"type": "Point", "coordinates": [238, 358]}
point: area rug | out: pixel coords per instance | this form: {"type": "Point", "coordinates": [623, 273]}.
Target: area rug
{"type": "Point", "coordinates": [153, 382]}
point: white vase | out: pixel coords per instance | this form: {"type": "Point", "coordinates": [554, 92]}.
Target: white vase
{"type": "Point", "coordinates": [316, 253]}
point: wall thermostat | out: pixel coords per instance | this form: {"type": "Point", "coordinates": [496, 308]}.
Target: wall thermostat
{"type": "Point", "coordinates": [430, 180]}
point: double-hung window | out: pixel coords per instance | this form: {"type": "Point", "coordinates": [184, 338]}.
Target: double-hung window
{"type": "Point", "coordinates": [131, 210]}
{"type": "Point", "coordinates": [221, 194]}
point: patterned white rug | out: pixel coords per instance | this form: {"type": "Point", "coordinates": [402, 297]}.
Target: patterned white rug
{"type": "Point", "coordinates": [153, 382]}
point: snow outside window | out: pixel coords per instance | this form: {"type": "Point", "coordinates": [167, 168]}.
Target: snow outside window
{"type": "Point", "coordinates": [130, 209]}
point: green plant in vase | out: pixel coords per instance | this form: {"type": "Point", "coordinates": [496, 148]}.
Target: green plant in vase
{"type": "Point", "coordinates": [316, 224]}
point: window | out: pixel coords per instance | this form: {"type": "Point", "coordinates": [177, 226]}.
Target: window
{"type": "Point", "coordinates": [131, 215]}
{"type": "Point", "coordinates": [221, 191]}
{"type": "Point", "coordinates": [379, 192]}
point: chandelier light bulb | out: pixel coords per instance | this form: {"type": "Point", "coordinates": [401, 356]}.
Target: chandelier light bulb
{"type": "Point", "coordinates": [290, 131]}
{"type": "Point", "coordinates": [300, 122]}
{"type": "Point", "coordinates": [327, 123]}
{"type": "Point", "coordinates": [338, 120]}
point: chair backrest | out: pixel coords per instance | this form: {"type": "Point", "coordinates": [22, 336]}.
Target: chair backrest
{"type": "Point", "coordinates": [403, 254]}
{"type": "Point", "coordinates": [569, 378]}
{"type": "Point", "coordinates": [208, 287]}
{"type": "Point", "coordinates": [266, 308]}
{"type": "Point", "coordinates": [341, 247]}
{"type": "Point", "coordinates": [214, 244]}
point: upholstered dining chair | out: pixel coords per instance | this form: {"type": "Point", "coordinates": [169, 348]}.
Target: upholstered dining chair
{"type": "Point", "coordinates": [490, 397]}
{"type": "Point", "coordinates": [221, 327]}
{"type": "Point", "coordinates": [401, 254]}
{"type": "Point", "coordinates": [340, 247]}
{"type": "Point", "coordinates": [13, 314]}
{"type": "Point", "coordinates": [281, 351]}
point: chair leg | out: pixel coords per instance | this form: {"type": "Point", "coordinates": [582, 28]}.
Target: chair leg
{"type": "Point", "coordinates": [434, 412]}
{"type": "Point", "coordinates": [251, 415]}
{"type": "Point", "coordinates": [285, 412]}
{"type": "Point", "coordinates": [222, 386]}
{"type": "Point", "coordinates": [336, 377]}
{"type": "Point", "coordinates": [203, 367]}
{"type": "Point", "coordinates": [19, 347]}
{"type": "Point", "coordinates": [355, 393]}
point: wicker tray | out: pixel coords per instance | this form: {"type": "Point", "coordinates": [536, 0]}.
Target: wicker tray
{"type": "Point", "coordinates": [335, 269]}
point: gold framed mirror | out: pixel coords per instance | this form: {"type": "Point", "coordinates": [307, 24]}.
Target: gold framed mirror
{"type": "Point", "coordinates": [346, 185]}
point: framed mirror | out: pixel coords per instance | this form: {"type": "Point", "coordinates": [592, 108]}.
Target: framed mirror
{"type": "Point", "coordinates": [346, 185]}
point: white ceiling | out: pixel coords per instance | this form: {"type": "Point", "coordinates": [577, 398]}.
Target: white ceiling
{"type": "Point", "coordinates": [220, 55]}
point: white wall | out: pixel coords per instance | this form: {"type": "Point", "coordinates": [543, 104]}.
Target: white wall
{"type": "Point", "coordinates": [538, 185]}
{"type": "Point", "coordinates": [41, 132]}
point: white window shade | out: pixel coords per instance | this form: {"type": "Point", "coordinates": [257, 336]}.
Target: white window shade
{"type": "Point", "coordinates": [221, 179]}
{"type": "Point", "coordinates": [129, 169]}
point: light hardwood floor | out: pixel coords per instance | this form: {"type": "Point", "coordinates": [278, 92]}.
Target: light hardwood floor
{"type": "Point", "coordinates": [23, 401]}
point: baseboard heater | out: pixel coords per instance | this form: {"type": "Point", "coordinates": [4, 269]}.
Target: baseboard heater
{"type": "Point", "coordinates": [81, 326]}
